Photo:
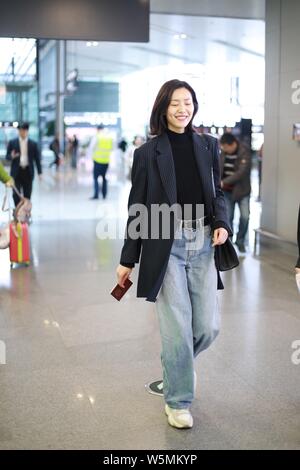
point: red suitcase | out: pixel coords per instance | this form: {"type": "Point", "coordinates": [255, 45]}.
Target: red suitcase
{"type": "Point", "coordinates": [19, 243]}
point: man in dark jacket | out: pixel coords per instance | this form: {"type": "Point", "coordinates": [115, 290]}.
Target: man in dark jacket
{"type": "Point", "coordinates": [23, 153]}
{"type": "Point", "coordinates": [235, 169]}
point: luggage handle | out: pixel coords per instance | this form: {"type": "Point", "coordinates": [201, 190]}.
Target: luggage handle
{"type": "Point", "coordinates": [14, 226]}
{"type": "Point", "coordinates": [18, 192]}
{"type": "Point", "coordinates": [6, 200]}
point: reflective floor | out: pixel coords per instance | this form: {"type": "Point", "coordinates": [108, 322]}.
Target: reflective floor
{"type": "Point", "coordinates": [77, 360]}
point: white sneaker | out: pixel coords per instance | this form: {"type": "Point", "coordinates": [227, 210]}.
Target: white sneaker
{"type": "Point", "coordinates": [180, 419]}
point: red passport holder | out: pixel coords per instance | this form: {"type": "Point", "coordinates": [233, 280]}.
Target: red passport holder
{"type": "Point", "coordinates": [119, 291]}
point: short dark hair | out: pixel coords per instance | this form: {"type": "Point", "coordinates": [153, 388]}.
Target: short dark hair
{"type": "Point", "coordinates": [158, 121]}
{"type": "Point", "coordinates": [24, 125]}
{"type": "Point", "coordinates": [100, 127]}
{"type": "Point", "coordinates": [228, 139]}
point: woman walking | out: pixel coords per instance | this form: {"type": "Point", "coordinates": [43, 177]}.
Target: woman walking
{"type": "Point", "coordinates": [177, 168]}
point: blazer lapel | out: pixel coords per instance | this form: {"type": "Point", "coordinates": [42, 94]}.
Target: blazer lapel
{"type": "Point", "coordinates": [166, 167]}
{"type": "Point", "coordinates": [204, 159]}
{"type": "Point", "coordinates": [29, 150]}
{"type": "Point", "coordinates": [18, 149]}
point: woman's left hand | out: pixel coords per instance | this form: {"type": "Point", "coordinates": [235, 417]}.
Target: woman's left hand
{"type": "Point", "coordinates": [220, 236]}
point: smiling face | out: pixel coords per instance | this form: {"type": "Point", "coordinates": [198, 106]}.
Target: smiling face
{"type": "Point", "coordinates": [180, 110]}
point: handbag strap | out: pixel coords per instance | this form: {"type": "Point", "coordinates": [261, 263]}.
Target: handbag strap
{"type": "Point", "coordinates": [4, 209]}
{"type": "Point", "coordinates": [18, 192]}
{"type": "Point", "coordinates": [6, 201]}
{"type": "Point", "coordinates": [18, 233]}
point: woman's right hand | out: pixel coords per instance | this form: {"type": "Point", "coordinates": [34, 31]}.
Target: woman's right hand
{"type": "Point", "coordinates": [123, 273]}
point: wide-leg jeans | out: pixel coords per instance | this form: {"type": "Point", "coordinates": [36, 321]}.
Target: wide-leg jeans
{"type": "Point", "coordinates": [187, 311]}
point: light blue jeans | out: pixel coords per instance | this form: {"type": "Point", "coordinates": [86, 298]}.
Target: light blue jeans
{"type": "Point", "coordinates": [187, 312]}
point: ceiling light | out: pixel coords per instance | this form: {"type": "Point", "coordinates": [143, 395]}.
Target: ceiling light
{"type": "Point", "coordinates": [88, 44]}
{"type": "Point", "coordinates": [180, 36]}
{"type": "Point", "coordinates": [95, 43]}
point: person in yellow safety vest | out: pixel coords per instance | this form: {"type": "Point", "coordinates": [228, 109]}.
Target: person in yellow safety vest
{"type": "Point", "coordinates": [101, 149]}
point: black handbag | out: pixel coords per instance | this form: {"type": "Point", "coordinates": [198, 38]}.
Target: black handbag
{"type": "Point", "coordinates": [226, 257]}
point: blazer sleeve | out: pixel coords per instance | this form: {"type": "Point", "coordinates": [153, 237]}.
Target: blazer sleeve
{"type": "Point", "coordinates": [220, 212]}
{"type": "Point", "coordinates": [9, 149]}
{"type": "Point", "coordinates": [132, 247]}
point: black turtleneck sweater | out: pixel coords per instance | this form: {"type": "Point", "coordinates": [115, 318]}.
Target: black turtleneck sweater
{"type": "Point", "coordinates": [188, 182]}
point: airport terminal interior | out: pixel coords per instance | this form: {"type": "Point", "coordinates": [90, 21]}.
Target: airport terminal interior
{"type": "Point", "coordinates": [74, 362]}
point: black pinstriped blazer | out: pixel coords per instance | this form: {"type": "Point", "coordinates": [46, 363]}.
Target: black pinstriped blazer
{"type": "Point", "coordinates": [154, 182]}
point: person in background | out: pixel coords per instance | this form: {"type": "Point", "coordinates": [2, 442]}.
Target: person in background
{"type": "Point", "coordinates": [259, 164]}
{"type": "Point", "coordinates": [100, 149]}
{"type": "Point", "coordinates": [235, 167]}
{"type": "Point", "coordinates": [5, 178]}
{"type": "Point", "coordinates": [55, 147]}
{"type": "Point", "coordinates": [74, 150]}
{"type": "Point", "coordinates": [297, 268]}
{"type": "Point", "coordinates": [122, 145]}
{"type": "Point", "coordinates": [23, 154]}
{"type": "Point", "coordinates": [137, 142]}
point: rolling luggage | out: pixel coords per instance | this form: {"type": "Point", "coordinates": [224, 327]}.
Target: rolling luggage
{"type": "Point", "coordinates": [19, 243]}
{"type": "Point", "coordinates": [15, 235]}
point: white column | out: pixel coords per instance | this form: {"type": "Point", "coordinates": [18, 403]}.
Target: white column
{"type": "Point", "coordinates": [281, 158]}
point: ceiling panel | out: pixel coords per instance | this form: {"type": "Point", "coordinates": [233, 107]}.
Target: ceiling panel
{"type": "Point", "coordinates": [208, 41]}
{"type": "Point", "coordinates": [250, 9]}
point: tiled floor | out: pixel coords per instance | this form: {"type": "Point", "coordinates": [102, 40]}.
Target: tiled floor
{"type": "Point", "coordinates": [77, 360]}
